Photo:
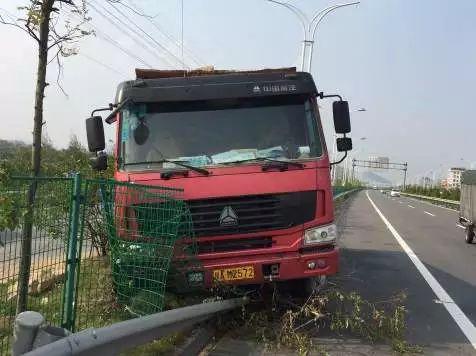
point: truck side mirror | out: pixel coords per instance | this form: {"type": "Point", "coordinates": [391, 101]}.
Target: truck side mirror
{"type": "Point", "coordinates": [95, 134]}
{"type": "Point", "coordinates": [99, 163]}
{"type": "Point", "coordinates": [344, 144]}
{"type": "Point", "coordinates": [340, 110]}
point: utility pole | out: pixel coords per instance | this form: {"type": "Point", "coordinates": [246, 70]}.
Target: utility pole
{"type": "Point", "coordinates": [353, 170]}
{"type": "Point", "coordinates": [309, 28]}
{"type": "Point", "coordinates": [405, 175]}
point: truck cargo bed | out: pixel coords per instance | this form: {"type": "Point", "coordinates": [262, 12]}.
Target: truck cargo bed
{"type": "Point", "coordinates": [468, 197]}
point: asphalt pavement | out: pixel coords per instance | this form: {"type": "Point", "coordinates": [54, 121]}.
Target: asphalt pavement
{"type": "Point", "coordinates": [393, 245]}
{"type": "Point", "coordinates": [399, 244]}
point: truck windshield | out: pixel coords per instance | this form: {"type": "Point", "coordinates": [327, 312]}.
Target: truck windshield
{"type": "Point", "coordinates": [218, 132]}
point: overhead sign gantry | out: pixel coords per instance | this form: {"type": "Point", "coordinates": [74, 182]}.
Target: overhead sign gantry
{"type": "Point", "coordinates": [381, 165]}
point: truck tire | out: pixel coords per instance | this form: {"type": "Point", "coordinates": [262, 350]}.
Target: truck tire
{"type": "Point", "coordinates": [469, 234]}
{"type": "Point", "coordinates": [314, 284]}
{"type": "Point", "coordinates": [303, 288]}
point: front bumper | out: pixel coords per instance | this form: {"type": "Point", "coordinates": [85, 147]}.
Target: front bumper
{"type": "Point", "coordinates": [291, 265]}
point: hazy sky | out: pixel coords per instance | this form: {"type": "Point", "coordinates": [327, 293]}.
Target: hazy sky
{"type": "Point", "coordinates": [411, 64]}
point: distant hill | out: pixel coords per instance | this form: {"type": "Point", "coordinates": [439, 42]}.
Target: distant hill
{"type": "Point", "coordinates": [9, 147]}
{"type": "Point", "coordinates": [6, 145]}
{"type": "Point", "coordinates": [374, 178]}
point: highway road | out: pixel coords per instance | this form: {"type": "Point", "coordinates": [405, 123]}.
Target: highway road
{"type": "Point", "coordinates": [401, 244]}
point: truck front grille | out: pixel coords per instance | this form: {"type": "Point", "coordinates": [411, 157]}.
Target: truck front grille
{"type": "Point", "coordinates": [251, 213]}
{"type": "Point", "coordinates": [235, 245]}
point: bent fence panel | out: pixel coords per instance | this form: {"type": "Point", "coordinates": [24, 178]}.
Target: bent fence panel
{"type": "Point", "coordinates": [131, 230]}
{"type": "Point", "coordinates": [87, 253]}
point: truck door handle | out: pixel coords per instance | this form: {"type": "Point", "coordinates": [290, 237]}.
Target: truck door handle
{"type": "Point", "coordinates": [271, 166]}
{"type": "Point", "coordinates": [168, 175]}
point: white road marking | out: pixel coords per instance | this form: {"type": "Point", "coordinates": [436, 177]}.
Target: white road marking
{"type": "Point", "coordinates": [466, 326]}
{"type": "Point", "coordinates": [437, 301]}
{"type": "Point", "coordinates": [438, 206]}
{"type": "Point", "coordinates": [411, 206]}
{"type": "Point", "coordinates": [400, 202]}
{"type": "Point", "coordinates": [426, 212]}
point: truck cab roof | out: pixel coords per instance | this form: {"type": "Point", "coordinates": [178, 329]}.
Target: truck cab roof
{"type": "Point", "coordinates": [153, 86]}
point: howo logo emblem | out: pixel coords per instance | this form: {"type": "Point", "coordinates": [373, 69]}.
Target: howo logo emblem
{"type": "Point", "coordinates": [228, 217]}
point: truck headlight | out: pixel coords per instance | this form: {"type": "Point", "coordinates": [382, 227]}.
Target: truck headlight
{"type": "Point", "coordinates": [320, 235]}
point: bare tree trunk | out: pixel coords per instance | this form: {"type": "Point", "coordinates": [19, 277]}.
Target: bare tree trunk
{"type": "Point", "coordinates": [25, 260]}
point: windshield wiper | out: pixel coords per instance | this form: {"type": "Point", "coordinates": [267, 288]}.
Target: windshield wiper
{"type": "Point", "coordinates": [282, 163]}
{"type": "Point", "coordinates": [178, 163]}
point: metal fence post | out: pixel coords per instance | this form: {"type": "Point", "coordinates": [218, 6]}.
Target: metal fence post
{"type": "Point", "coordinates": [25, 330]}
{"type": "Point", "coordinates": [71, 262]}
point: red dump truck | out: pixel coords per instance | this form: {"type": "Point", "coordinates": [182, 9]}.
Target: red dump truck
{"type": "Point", "coordinates": [248, 150]}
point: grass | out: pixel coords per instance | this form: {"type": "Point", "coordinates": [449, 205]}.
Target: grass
{"type": "Point", "coordinates": [102, 309]}
{"type": "Point", "coordinates": [163, 346]}
{"type": "Point", "coordinates": [291, 324]}
{"type": "Point", "coordinates": [96, 306]}
{"type": "Point", "coordinates": [7, 312]}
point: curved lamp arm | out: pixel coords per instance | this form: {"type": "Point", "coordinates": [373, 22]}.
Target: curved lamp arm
{"type": "Point", "coordinates": [321, 14]}
{"type": "Point", "coordinates": [296, 11]}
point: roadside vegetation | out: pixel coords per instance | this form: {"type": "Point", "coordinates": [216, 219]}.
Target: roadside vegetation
{"type": "Point", "coordinates": [290, 324]}
{"type": "Point", "coordinates": [97, 306]}
{"type": "Point", "coordinates": [15, 159]}
{"type": "Point", "coordinates": [96, 301]}
{"type": "Point", "coordinates": [347, 183]}
{"type": "Point", "coordinates": [437, 192]}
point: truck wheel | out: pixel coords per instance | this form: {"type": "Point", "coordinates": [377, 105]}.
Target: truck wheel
{"type": "Point", "coordinates": [469, 235]}
{"type": "Point", "coordinates": [303, 288]}
{"type": "Point", "coordinates": [315, 284]}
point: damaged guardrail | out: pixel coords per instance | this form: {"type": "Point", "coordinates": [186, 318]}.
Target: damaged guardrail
{"type": "Point", "coordinates": [113, 339]}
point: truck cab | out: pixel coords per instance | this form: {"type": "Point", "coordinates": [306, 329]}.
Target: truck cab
{"type": "Point", "coordinates": [248, 150]}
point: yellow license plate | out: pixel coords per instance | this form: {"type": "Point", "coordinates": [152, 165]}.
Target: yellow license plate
{"type": "Point", "coordinates": [234, 274]}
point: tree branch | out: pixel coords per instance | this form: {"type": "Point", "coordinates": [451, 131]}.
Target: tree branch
{"type": "Point", "coordinates": [60, 71]}
{"type": "Point", "coordinates": [62, 33]}
{"type": "Point", "coordinates": [68, 2]}
{"type": "Point", "coordinates": [26, 30]}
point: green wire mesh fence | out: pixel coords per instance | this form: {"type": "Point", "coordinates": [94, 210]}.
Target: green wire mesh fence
{"type": "Point", "coordinates": [143, 225]}
{"type": "Point", "coordinates": [41, 231]}
{"type": "Point", "coordinates": [101, 251]}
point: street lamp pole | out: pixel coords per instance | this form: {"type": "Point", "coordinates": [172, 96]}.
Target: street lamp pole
{"type": "Point", "coordinates": [309, 28]}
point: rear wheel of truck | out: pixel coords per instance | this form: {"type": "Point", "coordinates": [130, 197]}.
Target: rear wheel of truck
{"type": "Point", "coordinates": [469, 234]}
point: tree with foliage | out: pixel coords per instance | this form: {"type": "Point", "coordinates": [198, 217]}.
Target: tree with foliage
{"type": "Point", "coordinates": [55, 163]}
{"type": "Point", "coordinates": [49, 24]}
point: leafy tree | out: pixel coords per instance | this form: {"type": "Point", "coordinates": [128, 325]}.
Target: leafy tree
{"type": "Point", "coordinates": [48, 23]}
{"type": "Point", "coordinates": [51, 213]}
